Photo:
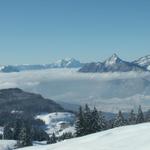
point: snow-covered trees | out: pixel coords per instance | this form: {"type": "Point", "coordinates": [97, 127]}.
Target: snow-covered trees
{"type": "Point", "coordinates": [8, 133]}
{"type": "Point", "coordinates": [87, 114]}
{"type": "Point", "coordinates": [147, 117]}
{"type": "Point", "coordinates": [80, 123]}
{"type": "Point", "coordinates": [132, 117]}
{"type": "Point", "coordinates": [25, 137]}
{"type": "Point", "coordinates": [89, 121]}
{"type": "Point", "coordinates": [52, 139]}
{"type": "Point", "coordinates": [140, 116]}
{"type": "Point", "coordinates": [95, 121]}
{"type": "Point", "coordinates": [119, 120]}
{"type": "Point", "coordinates": [98, 122]}
{"type": "Point", "coordinates": [17, 128]}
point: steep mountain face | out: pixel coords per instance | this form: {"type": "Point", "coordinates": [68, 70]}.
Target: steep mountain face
{"type": "Point", "coordinates": [143, 61]}
{"type": "Point", "coordinates": [16, 100]}
{"type": "Point", "coordinates": [112, 64]}
{"type": "Point", "coordinates": [63, 63]}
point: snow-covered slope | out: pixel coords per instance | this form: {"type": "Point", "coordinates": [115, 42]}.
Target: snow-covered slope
{"type": "Point", "coordinates": [143, 61]}
{"type": "Point", "coordinates": [7, 144]}
{"type": "Point", "coordinates": [58, 123]}
{"type": "Point", "coordinates": [135, 137]}
{"type": "Point", "coordinates": [112, 64]}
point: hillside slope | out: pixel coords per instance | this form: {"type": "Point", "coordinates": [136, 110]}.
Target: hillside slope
{"type": "Point", "coordinates": [123, 138]}
{"type": "Point", "coordinates": [58, 122]}
{"type": "Point", "coordinates": [17, 100]}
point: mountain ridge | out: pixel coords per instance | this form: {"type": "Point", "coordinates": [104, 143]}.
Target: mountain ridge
{"type": "Point", "coordinates": [143, 61]}
{"type": "Point", "coordinates": [62, 63]}
{"type": "Point", "coordinates": [112, 64]}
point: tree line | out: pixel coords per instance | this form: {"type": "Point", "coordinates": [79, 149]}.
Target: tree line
{"type": "Point", "coordinates": [92, 121]}
{"type": "Point", "coordinates": [26, 130]}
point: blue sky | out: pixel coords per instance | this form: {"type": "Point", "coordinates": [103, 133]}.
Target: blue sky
{"type": "Point", "coordinates": [42, 31]}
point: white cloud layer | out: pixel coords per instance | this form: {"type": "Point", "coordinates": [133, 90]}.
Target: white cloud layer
{"type": "Point", "coordinates": [108, 91]}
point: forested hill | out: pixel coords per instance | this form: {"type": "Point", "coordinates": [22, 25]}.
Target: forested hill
{"type": "Point", "coordinates": [16, 100]}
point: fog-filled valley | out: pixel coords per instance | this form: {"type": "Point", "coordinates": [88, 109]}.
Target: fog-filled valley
{"type": "Point", "coordinates": [108, 91]}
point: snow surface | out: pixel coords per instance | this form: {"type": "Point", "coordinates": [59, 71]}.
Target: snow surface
{"type": "Point", "coordinates": [7, 144]}
{"type": "Point", "coordinates": [54, 122]}
{"type": "Point", "coordinates": [135, 137]}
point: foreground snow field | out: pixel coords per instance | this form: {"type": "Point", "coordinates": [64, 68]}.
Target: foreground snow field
{"type": "Point", "coordinates": [7, 144]}
{"type": "Point", "coordinates": [135, 137]}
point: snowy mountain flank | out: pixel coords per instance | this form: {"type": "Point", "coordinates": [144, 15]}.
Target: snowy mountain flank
{"type": "Point", "coordinates": [112, 64]}
{"type": "Point", "coordinates": [122, 138]}
{"type": "Point", "coordinates": [143, 61]}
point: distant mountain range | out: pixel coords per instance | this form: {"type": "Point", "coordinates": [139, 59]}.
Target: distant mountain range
{"type": "Point", "coordinates": [112, 64]}
{"type": "Point", "coordinates": [115, 64]}
{"type": "Point", "coordinates": [63, 63]}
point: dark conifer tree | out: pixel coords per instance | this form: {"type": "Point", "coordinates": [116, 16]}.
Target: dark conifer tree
{"type": "Point", "coordinates": [140, 116]}
{"type": "Point", "coordinates": [17, 129]}
{"type": "Point", "coordinates": [25, 137]}
{"type": "Point", "coordinates": [102, 122]}
{"type": "Point", "coordinates": [95, 121]}
{"type": "Point", "coordinates": [132, 117]}
{"type": "Point", "coordinates": [67, 135]}
{"type": "Point", "coordinates": [8, 133]}
{"type": "Point", "coordinates": [87, 120]}
{"type": "Point", "coordinates": [119, 120]}
{"type": "Point", "coordinates": [147, 118]}
{"type": "Point", "coordinates": [52, 139]}
{"type": "Point", "coordinates": [80, 123]}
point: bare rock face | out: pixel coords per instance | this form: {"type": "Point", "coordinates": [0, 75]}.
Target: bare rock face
{"type": "Point", "coordinates": [112, 64]}
{"type": "Point", "coordinates": [15, 99]}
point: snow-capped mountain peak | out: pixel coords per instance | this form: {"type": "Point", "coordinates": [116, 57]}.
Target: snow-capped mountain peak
{"type": "Point", "coordinates": [67, 63]}
{"type": "Point", "coordinates": [112, 64]}
{"type": "Point", "coordinates": [112, 60]}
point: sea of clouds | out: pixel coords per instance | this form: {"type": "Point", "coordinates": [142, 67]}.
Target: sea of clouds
{"type": "Point", "coordinates": [107, 91]}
